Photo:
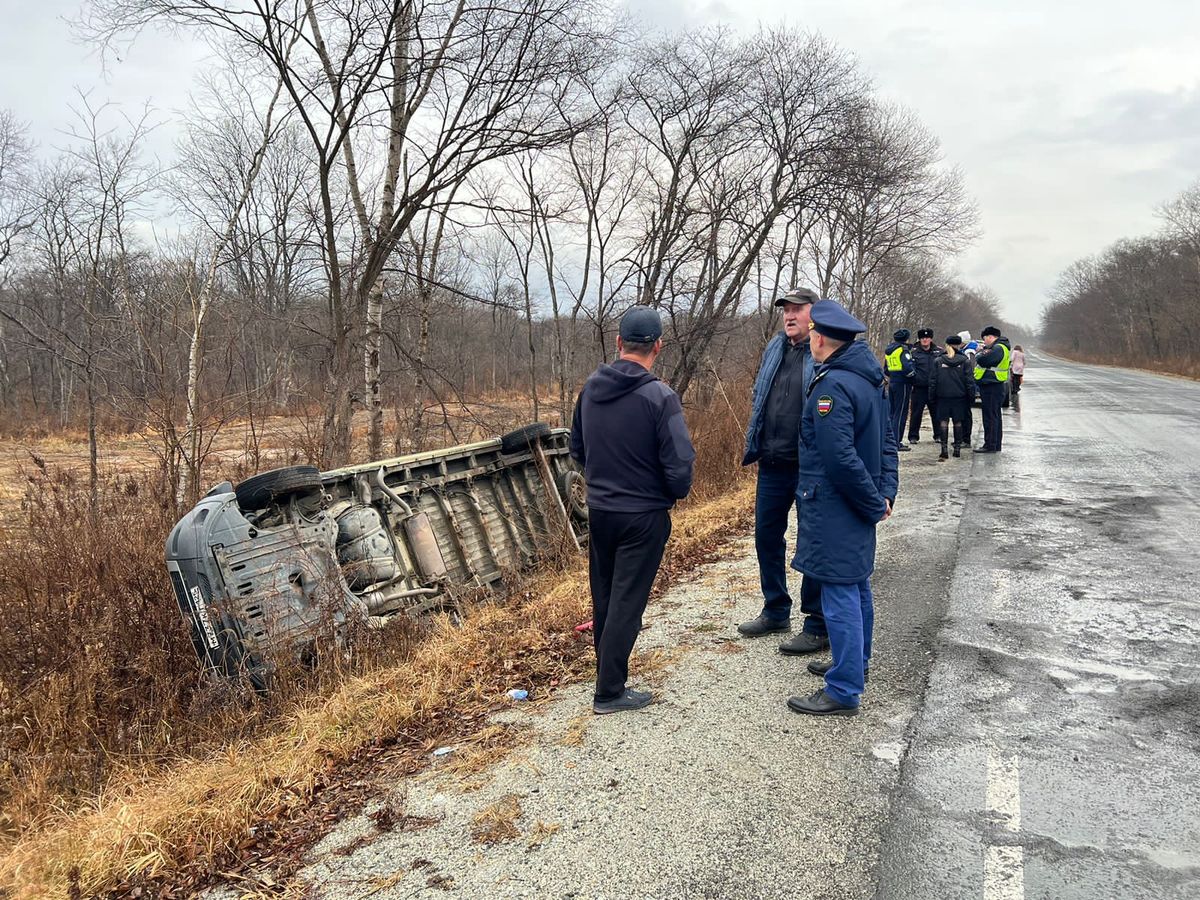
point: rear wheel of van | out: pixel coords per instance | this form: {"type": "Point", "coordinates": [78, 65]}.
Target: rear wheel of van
{"type": "Point", "coordinates": [267, 487]}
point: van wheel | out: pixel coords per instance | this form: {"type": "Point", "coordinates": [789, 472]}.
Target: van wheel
{"type": "Point", "coordinates": [260, 490]}
{"type": "Point", "coordinates": [574, 490]}
{"type": "Point", "coordinates": [523, 438]}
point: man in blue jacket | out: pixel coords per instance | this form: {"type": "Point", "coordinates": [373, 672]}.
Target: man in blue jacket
{"type": "Point", "coordinates": [773, 441]}
{"type": "Point", "coordinates": [629, 435]}
{"type": "Point", "coordinates": [849, 475]}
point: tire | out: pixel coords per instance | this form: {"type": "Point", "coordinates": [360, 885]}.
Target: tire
{"type": "Point", "coordinates": [574, 491]}
{"type": "Point", "coordinates": [259, 490]}
{"type": "Point", "coordinates": [522, 438]}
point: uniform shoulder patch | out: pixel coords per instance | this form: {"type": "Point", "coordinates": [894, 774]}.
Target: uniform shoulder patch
{"type": "Point", "coordinates": [824, 405]}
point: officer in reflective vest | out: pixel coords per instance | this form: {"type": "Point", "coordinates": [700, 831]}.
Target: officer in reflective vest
{"type": "Point", "coordinates": [991, 372]}
{"type": "Point", "coordinates": [898, 359]}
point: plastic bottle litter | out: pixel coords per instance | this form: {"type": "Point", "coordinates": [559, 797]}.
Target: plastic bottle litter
{"type": "Point", "coordinates": [442, 751]}
{"type": "Point", "coordinates": [518, 694]}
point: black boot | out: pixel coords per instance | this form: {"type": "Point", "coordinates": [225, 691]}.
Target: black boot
{"type": "Point", "coordinates": [944, 455]}
{"type": "Point", "coordinates": [957, 454]}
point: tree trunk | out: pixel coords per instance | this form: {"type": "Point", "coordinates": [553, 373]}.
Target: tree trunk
{"type": "Point", "coordinates": [372, 351]}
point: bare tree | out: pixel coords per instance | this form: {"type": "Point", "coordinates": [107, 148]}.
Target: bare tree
{"type": "Point", "coordinates": [83, 234]}
{"type": "Point", "coordinates": [892, 196]}
{"type": "Point", "coordinates": [434, 89]}
{"type": "Point", "coordinates": [202, 297]}
{"type": "Point", "coordinates": [17, 211]}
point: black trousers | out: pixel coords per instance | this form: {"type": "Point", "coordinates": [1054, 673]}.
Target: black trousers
{"type": "Point", "coordinates": [920, 402]}
{"type": "Point", "coordinates": [624, 550]}
{"type": "Point", "coordinates": [773, 504]}
{"type": "Point", "coordinates": [958, 412]}
{"type": "Point", "coordinates": [991, 395]}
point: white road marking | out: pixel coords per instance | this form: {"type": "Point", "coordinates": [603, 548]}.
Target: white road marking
{"type": "Point", "coordinates": [1004, 863]}
{"type": "Point", "coordinates": [1004, 873]}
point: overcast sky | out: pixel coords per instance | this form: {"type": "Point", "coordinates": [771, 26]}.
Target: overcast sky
{"type": "Point", "coordinates": [1071, 120]}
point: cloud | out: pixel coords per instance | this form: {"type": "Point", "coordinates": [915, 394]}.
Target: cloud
{"type": "Point", "coordinates": [1128, 117]}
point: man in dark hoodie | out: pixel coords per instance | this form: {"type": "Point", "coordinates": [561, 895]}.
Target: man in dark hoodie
{"type": "Point", "coordinates": [629, 435]}
{"type": "Point", "coordinates": [898, 358]}
{"type": "Point", "coordinates": [950, 392]}
{"type": "Point", "coordinates": [924, 355]}
{"type": "Point", "coordinates": [849, 475]}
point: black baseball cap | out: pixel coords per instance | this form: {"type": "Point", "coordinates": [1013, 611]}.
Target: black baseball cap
{"type": "Point", "coordinates": [641, 324]}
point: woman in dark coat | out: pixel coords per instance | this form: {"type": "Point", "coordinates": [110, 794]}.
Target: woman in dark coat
{"type": "Point", "coordinates": [950, 392]}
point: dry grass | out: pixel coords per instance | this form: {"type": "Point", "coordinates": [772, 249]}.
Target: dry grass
{"type": "Point", "coordinates": [577, 729]}
{"type": "Point", "coordinates": [479, 753]}
{"type": "Point", "coordinates": [540, 833]}
{"type": "Point", "coordinates": [497, 822]}
{"type": "Point", "coordinates": [1183, 367]}
{"type": "Point", "coordinates": [143, 826]}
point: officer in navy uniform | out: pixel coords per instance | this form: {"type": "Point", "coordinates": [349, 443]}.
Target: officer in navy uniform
{"type": "Point", "coordinates": [924, 355]}
{"type": "Point", "coordinates": [898, 358]}
{"type": "Point", "coordinates": [849, 475]}
{"type": "Point", "coordinates": [773, 442]}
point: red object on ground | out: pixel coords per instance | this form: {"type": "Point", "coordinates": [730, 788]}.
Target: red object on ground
{"type": "Point", "coordinates": [586, 626]}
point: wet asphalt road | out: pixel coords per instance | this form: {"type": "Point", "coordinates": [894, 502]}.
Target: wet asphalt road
{"type": "Point", "coordinates": [1057, 750]}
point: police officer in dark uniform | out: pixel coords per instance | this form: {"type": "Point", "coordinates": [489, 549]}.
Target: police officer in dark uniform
{"type": "Point", "coordinates": [898, 358]}
{"type": "Point", "coordinates": [629, 435]}
{"type": "Point", "coordinates": [923, 356]}
{"type": "Point", "coordinates": [991, 372]}
{"type": "Point", "coordinates": [849, 475]}
{"type": "Point", "coordinates": [773, 441]}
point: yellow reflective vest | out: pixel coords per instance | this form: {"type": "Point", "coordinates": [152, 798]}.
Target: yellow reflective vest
{"type": "Point", "coordinates": [1000, 370]}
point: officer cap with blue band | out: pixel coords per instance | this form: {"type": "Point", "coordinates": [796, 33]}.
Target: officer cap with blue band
{"type": "Point", "coordinates": [641, 324]}
{"type": "Point", "coordinates": [831, 319]}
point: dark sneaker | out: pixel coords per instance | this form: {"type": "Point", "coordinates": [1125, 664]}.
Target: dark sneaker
{"type": "Point", "coordinates": [802, 643]}
{"type": "Point", "coordinates": [914, 440]}
{"type": "Point", "coordinates": [760, 626]}
{"type": "Point", "coordinates": [820, 667]}
{"type": "Point", "coordinates": [629, 700]}
{"type": "Point", "coordinates": [820, 703]}
{"type": "Point", "coordinates": [904, 448]}
{"type": "Point", "coordinates": [943, 456]}
{"type": "Point", "coordinates": [987, 450]}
